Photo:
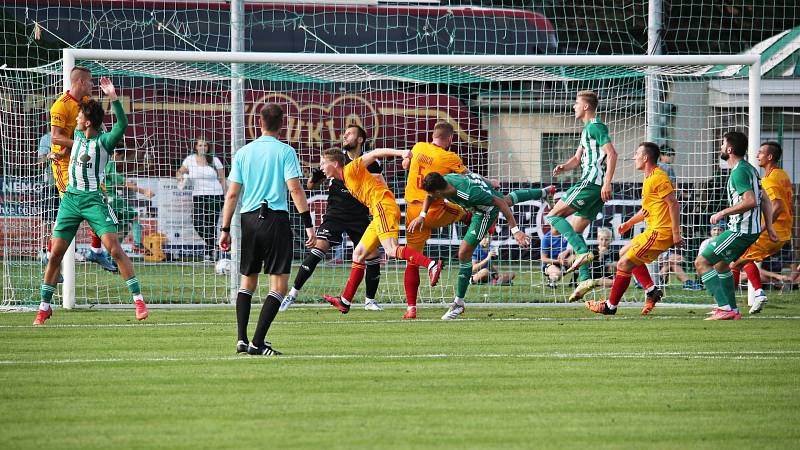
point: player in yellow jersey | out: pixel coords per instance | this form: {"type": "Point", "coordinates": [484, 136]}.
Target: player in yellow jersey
{"type": "Point", "coordinates": [660, 210]}
{"type": "Point", "coordinates": [778, 187]}
{"type": "Point", "coordinates": [63, 117]}
{"type": "Point", "coordinates": [385, 226]}
{"type": "Point", "coordinates": [427, 157]}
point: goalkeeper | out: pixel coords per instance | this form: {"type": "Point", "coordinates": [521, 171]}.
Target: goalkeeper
{"type": "Point", "coordinates": [471, 192]}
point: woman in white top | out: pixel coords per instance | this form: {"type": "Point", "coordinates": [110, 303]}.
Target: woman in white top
{"type": "Point", "coordinates": [204, 175]}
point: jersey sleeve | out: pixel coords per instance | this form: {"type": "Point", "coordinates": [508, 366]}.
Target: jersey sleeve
{"type": "Point", "coordinates": [291, 165]}
{"type": "Point", "coordinates": [112, 138]}
{"type": "Point", "coordinates": [217, 163]}
{"type": "Point", "coordinates": [599, 132]}
{"type": "Point", "coordinates": [236, 168]}
{"type": "Point", "coordinates": [741, 182]}
{"type": "Point", "coordinates": [58, 115]}
{"type": "Point", "coordinates": [375, 167]}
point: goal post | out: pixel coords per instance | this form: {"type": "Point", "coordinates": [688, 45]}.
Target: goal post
{"type": "Point", "coordinates": [374, 71]}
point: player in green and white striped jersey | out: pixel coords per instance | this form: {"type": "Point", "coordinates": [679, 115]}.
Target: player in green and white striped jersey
{"type": "Point", "coordinates": [84, 200]}
{"type": "Point", "coordinates": [746, 204]}
{"type": "Point", "coordinates": [472, 192]}
{"type": "Point", "coordinates": [597, 159]}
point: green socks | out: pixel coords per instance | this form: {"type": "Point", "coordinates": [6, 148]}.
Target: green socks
{"type": "Point", "coordinates": [523, 195]}
{"type": "Point", "coordinates": [464, 275]}
{"type": "Point", "coordinates": [47, 292]}
{"type": "Point", "coordinates": [133, 285]}
{"type": "Point", "coordinates": [566, 230]}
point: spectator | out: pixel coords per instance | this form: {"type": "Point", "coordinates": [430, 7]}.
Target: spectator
{"type": "Point", "coordinates": [556, 256]}
{"type": "Point", "coordinates": [716, 230]}
{"type": "Point", "coordinates": [671, 262]}
{"type": "Point", "coordinates": [604, 266]}
{"type": "Point", "coordinates": [665, 163]}
{"type": "Point", "coordinates": [483, 271]}
{"type": "Point", "coordinates": [202, 172]}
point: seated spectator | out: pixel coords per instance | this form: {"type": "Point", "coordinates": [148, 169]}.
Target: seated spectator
{"type": "Point", "coordinates": [715, 231]}
{"type": "Point", "coordinates": [483, 271]}
{"type": "Point", "coordinates": [604, 266]}
{"type": "Point", "coordinates": [671, 262]}
{"type": "Point", "coordinates": [556, 257]}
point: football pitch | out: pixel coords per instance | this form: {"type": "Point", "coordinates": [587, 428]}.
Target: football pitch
{"type": "Point", "coordinates": [503, 377]}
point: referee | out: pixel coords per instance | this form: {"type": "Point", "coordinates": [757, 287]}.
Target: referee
{"type": "Point", "coordinates": [261, 172]}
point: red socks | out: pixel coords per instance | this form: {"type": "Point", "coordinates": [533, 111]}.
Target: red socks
{"type": "Point", "coordinates": [737, 276]}
{"type": "Point", "coordinates": [356, 275]}
{"type": "Point", "coordinates": [643, 275]}
{"type": "Point", "coordinates": [412, 256]}
{"type": "Point", "coordinates": [411, 283]}
{"type": "Point", "coordinates": [621, 283]}
{"type": "Point", "coordinates": [753, 275]}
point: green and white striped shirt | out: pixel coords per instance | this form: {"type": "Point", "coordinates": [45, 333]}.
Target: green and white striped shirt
{"type": "Point", "coordinates": [744, 177]}
{"type": "Point", "coordinates": [593, 137]}
{"type": "Point", "coordinates": [89, 157]}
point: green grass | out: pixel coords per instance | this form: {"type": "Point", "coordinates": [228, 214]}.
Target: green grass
{"type": "Point", "coordinates": [505, 378]}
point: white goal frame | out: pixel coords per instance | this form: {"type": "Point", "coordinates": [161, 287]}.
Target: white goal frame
{"type": "Point", "coordinates": [753, 61]}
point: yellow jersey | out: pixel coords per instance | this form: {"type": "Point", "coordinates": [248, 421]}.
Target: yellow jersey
{"type": "Point", "coordinates": [656, 210]}
{"type": "Point", "coordinates": [778, 185]}
{"type": "Point", "coordinates": [365, 187]}
{"type": "Point", "coordinates": [63, 114]}
{"type": "Point", "coordinates": [427, 158]}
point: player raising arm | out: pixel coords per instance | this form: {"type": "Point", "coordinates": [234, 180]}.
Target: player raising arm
{"type": "Point", "coordinates": [83, 199]}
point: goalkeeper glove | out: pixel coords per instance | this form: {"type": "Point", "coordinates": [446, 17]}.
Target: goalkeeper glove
{"type": "Point", "coordinates": [317, 175]}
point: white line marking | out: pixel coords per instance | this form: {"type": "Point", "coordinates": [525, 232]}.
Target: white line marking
{"type": "Point", "coordinates": [776, 355]}
{"type": "Point", "coordinates": [393, 321]}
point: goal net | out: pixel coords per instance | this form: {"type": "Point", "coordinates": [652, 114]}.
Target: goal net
{"type": "Point", "coordinates": [513, 119]}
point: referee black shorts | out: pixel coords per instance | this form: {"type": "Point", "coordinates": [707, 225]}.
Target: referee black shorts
{"type": "Point", "coordinates": [266, 242]}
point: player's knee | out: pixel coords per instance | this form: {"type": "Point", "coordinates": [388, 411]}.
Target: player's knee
{"type": "Point", "coordinates": [625, 264]}
{"type": "Point", "coordinates": [360, 254]}
{"type": "Point", "coordinates": [464, 255]}
{"type": "Point", "coordinates": [700, 263]}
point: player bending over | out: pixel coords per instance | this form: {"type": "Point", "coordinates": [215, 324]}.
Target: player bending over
{"type": "Point", "coordinates": [384, 228]}
{"type": "Point", "coordinates": [471, 192]}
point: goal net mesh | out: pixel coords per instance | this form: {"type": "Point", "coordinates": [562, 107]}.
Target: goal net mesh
{"type": "Point", "coordinates": [513, 124]}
